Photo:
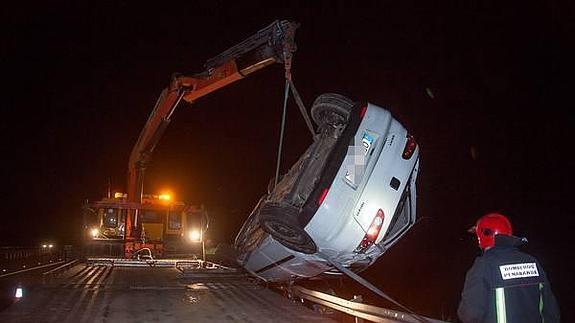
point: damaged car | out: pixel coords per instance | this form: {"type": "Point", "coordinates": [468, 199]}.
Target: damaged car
{"type": "Point", "coordinates": [347, 199]}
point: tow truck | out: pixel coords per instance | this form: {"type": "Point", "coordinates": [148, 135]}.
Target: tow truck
{"type": "Point", "coordinates": [168, 227]}
{"type": "Point", "coordinates": [125, 224]}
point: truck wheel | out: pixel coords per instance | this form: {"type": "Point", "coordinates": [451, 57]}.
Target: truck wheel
{"type": "Point", "coordinates": [281, 223]}
{"type": "Point", "coordinates": [331, 108]}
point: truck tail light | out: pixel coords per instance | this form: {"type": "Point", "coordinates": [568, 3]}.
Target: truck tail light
{"type": "Point", "coordinates": [322, 196]}
{"type": "Point", "coordinates": [372, 232]}
{"type": "Point", "coordinates": [409, 148]}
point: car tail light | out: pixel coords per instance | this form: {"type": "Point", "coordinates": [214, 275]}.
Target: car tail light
{"type": "Point", "coordinates": [322, 196]}
{"type": "Point", "coordinates": [363, 111]}
{"type": "Point", "coordinates": [409, 148]}
{"type": "Point", "coordinates": [372, 232]}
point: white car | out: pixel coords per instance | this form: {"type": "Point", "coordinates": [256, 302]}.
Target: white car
{"type": "Point", "coordinates": [347, 199]}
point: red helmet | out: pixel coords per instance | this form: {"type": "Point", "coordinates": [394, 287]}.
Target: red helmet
{"type": "Point", "coordinates": [488, 226]}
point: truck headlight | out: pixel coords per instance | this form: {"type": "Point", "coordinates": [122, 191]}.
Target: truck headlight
{"type": "Point", "coordinates": [195, 236]}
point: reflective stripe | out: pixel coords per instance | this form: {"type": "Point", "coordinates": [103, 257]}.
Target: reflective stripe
{"type": "Point", "coordinates": [500, 305]}
{"type": "Point", "coordinates": [541, 302]}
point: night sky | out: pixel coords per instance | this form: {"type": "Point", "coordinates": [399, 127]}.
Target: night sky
{"type": "Point", "coordinates": [485, 88]}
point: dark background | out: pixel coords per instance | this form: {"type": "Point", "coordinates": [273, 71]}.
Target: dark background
{"type": "Point", "coordinates": [78, 82]}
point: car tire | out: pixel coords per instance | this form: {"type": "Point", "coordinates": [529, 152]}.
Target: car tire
{"type": "Point", "coordinates": [331, 108]}
{"type": "Point", "coordinates": [280, 221]}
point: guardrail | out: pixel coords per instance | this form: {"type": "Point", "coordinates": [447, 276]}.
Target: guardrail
{"type": "Point", "coordinates": [30, 269]}
{"type": "Point", "coordinates": [359, 310]}
{"type": "Point", "coordinates": [45, 251]}
{"type": "Point", "coordinates": [58, 269]}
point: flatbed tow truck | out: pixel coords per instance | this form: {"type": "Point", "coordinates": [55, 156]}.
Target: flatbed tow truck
{"type": "Point", "coordinates": [139, 287]}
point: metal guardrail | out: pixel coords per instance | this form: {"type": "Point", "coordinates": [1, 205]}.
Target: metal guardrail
{"type": "Point", "coordinates": [189, 268]}
{"type": "Point", "coordinates": [42, 252]}
{"type": "Point", "coordinates": [31, 268]}
{"type": "Point", "coordinates": [56, 270]}
{"type": "Point", "coordinates": [120, 262]}
{"type": "Point", "coordinates": [180, 264]}
{"type": "Point", "coordinates": [359, 310]}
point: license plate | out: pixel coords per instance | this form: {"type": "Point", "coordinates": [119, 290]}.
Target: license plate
{"type": "Point", "coordinates": [366, 142]}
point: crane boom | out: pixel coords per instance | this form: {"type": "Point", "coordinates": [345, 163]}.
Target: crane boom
{"type": "Point", "coordinates": [273, 44]}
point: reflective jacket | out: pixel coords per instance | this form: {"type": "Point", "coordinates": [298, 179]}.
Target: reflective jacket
{"type": "Point", "coordinates": [507, 285]}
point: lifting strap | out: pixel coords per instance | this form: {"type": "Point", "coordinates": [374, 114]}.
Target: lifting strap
{"type": "Point", "coordinates": [301, 107]}
{"type": "Point", "coordinates": [282, 130]}
{"type": "Point", "coordinates": [289, 85]}
{"type": "Point", "coordinates": [288, 50]}
{"type": "Point", "coordinates": [370, 286]}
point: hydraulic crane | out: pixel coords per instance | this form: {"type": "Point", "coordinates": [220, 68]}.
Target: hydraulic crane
{"type": "Point", "coordinates": [273, 44]}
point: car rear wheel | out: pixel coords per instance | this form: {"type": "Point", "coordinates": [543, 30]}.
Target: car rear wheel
{"type": "Point", "coordinates": [280, 221]}
{"type": "Point", "coordinates": [332, 109]}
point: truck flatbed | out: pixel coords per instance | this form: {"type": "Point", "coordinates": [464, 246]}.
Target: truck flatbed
{"type": "Point", "coordinates": [104, 293]}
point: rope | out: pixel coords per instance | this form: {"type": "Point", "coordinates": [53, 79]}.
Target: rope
{"type": "Point", "coordinates": [287, 55]}
{"type": "Point", "coordinates": [282, 130]}
{"type": "Point", "coordinates": [301, 107]}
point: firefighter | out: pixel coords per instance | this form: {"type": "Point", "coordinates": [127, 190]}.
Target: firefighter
{"type": "Point", "coordinates": [505, 284]}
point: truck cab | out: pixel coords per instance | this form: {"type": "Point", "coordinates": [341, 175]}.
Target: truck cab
{"type": "Point", "coordinates": [166, 226]}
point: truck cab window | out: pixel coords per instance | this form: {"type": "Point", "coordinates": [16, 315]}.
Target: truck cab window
{"type": "Point", "coordinates": [110, 218]}
{"type": "Point", "coordinates": [151, 216]}
{"type": "Point", "coordinates": [174, 220]}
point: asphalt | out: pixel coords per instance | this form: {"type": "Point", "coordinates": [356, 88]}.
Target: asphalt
{"type": "Point", "coordinates": [112, 294]}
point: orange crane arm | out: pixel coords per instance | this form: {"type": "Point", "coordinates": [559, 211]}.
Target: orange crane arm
{"type": "Point", "coordinates": [273, 44]}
